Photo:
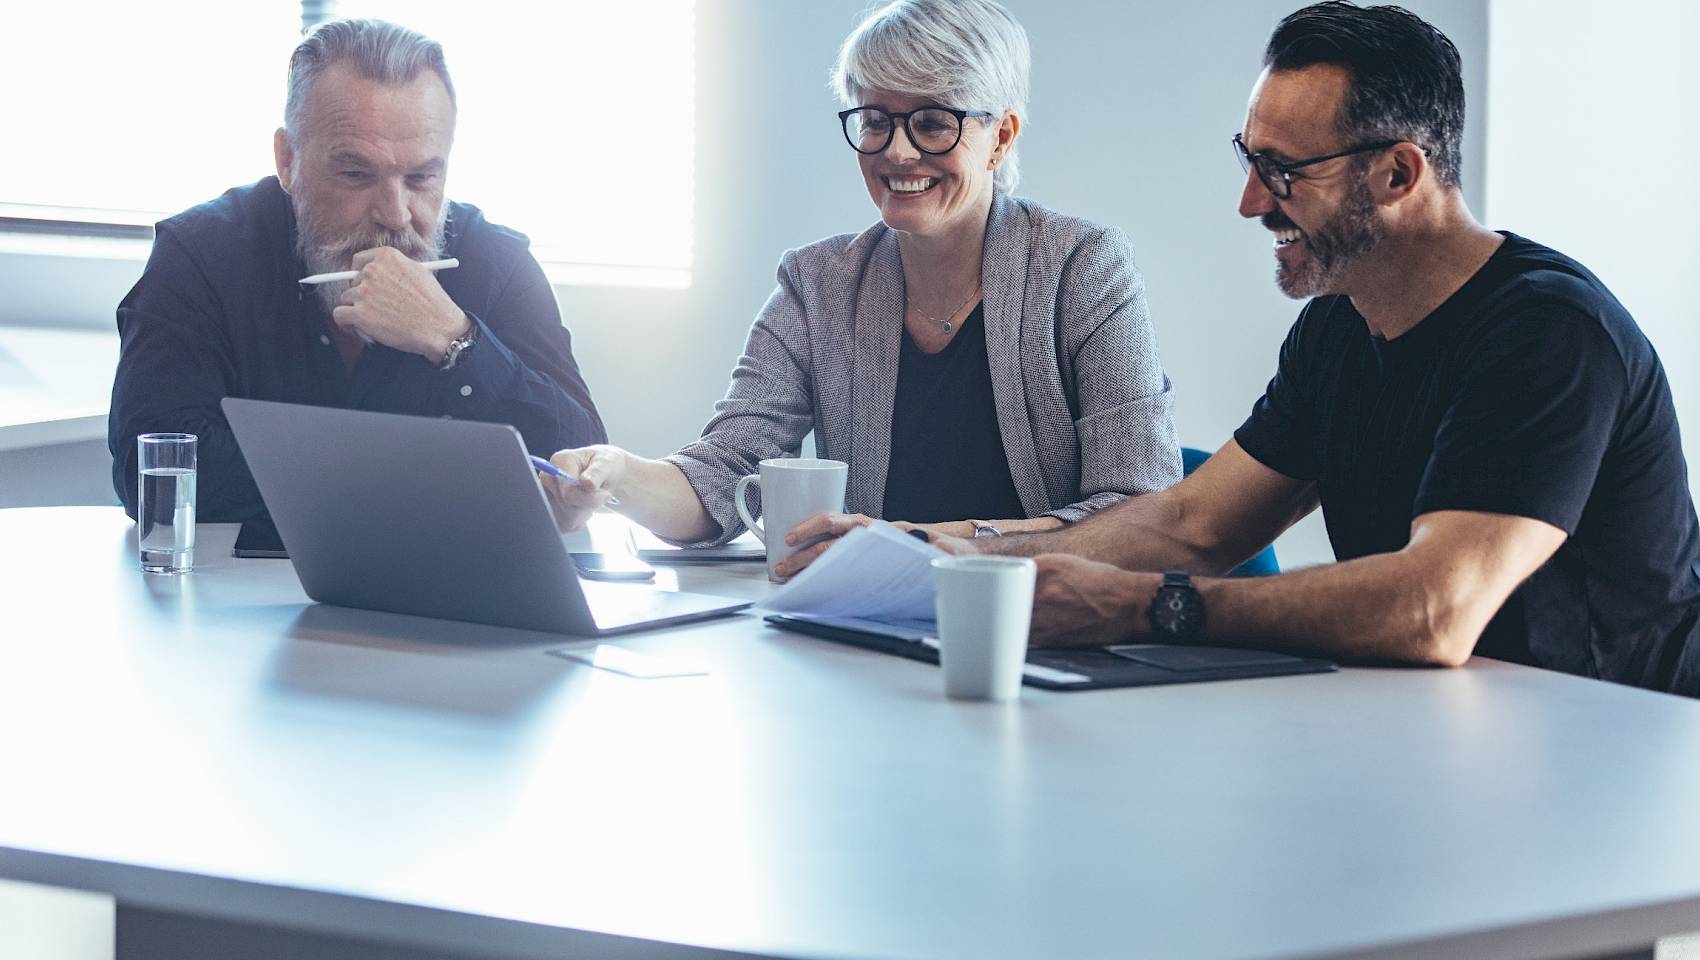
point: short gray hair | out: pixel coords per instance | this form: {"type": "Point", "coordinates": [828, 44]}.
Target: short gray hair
{"type": "Point", "coordinates": [376, 49]}
{"type": "Point", "coordinates": [967, 54]}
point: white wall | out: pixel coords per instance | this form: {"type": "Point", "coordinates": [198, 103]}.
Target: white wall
{"type": "Point", "coordinates": [1133, 106]}
{"type": "Point", "coordinates": [1592, 146]}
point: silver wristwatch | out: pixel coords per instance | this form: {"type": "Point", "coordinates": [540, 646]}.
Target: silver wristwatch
{"type": "Point", "coordinates": [984, 529]}
{"type": "Point", "coordinates": [452, 355]}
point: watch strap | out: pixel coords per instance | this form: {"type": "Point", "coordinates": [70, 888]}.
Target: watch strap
{"type": "Point", "coordinates": [1177, 608]}
{"type": "Point", "coordinates": [459, 346]}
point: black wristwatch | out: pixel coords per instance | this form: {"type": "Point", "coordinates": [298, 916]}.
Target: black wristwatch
{"type": "Point", "coordinates": [1177, 610]}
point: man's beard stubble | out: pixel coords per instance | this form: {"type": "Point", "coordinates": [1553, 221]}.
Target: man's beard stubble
{"type": "Point", "coordinates": [322, 252]}
{"type": "Point", "coordinates": [1332, 248]}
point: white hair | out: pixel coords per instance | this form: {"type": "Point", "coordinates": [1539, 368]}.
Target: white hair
{"type": "Point", "coordinates": [377, 50]}
{"type": "Point", "coordinates": [966, 54]}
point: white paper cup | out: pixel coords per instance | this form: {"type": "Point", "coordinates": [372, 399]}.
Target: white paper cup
{"type": "Point", "coordinates": [985, 605]}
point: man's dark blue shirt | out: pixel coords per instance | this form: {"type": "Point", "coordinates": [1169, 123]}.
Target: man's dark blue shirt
{"type": "Point", "coordinates": [219, 313]}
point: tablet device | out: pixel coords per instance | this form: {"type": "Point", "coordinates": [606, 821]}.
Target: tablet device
{"type": "Point", "coordinates": [725, 553]}
{"type": "Point", "coordinates": [259, 538]}
{"type": "Point", "coordinates": [1070, 668]}
{"type": "Point", "coordinates": [650, 548]}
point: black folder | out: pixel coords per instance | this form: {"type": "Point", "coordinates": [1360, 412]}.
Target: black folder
{"type": "Point", "coordinates": [1070, 668]}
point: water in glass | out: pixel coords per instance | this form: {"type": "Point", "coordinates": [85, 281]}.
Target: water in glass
{"type": "Point", "coordinates": [165, 519]}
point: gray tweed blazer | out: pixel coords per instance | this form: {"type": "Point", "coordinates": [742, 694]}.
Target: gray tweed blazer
{"type": "Point", "coordinates": [1083, 403]}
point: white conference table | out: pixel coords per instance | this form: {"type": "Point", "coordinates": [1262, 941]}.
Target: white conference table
{"type": "Point", "coordinates": [216, 748]}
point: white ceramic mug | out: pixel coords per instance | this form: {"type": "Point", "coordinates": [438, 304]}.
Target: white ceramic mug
{"type": "Point", "coordinates": [792, 490]}
{"type": "Point", "coordinates": [984, 606]}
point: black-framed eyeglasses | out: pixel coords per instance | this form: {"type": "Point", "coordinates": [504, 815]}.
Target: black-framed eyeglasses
{"type": "Point", "coordinates": [1278, 176]}
{"type": "Point", "coordinates": [933, 130]}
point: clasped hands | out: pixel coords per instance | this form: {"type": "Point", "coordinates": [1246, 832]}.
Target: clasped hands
{"type": "Point", "coordinates": [395, 301]}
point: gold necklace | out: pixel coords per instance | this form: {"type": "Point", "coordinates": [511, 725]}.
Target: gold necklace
{"type": "Point", "coordinates": [945, 323]}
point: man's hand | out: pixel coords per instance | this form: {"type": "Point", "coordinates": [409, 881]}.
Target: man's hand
{"type": "Point", "coordinates": [397, 302]}
{"type": "Point", "coordinates": [1080, 602]}
{"type": "Point", "coordinates": [598, 470]}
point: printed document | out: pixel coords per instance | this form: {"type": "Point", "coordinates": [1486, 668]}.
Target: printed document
{"type": "Point", "coordinates": [876, 572]}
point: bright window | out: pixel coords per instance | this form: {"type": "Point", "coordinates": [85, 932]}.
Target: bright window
{"type": "Point", "coordinates": [576, 119]}
{"type": "Point", "coordinates": [576, 125]}
{"type": "Point", "coordinates": [123, 112]}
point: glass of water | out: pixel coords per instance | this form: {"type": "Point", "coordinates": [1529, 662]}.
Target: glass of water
{"type": "Point", "coordinates": [165, 502]}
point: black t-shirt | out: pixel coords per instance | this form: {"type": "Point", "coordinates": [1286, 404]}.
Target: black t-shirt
{"type": "Point", "coordinates": [947, 456]}
{"type": "Point", "coordinates": [1529, 392]}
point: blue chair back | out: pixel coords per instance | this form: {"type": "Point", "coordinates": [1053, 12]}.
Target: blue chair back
{"type": "Point", "coordinates": [1259, 566]}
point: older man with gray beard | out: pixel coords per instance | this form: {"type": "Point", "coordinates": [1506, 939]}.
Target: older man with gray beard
{"type": "Point", "coordinates": [361, 163]}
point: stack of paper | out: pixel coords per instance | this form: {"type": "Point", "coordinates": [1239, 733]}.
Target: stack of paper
{"type": "Point", "coordinates": [875, 572]}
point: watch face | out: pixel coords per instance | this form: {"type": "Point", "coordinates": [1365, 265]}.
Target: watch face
{"type": "Point", "coordinates": [1176, 611]}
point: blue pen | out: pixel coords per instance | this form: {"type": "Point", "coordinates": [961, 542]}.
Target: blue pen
{"type": "Point", "coordinates": [554, 471]}
{"type": "Point", "coordinates": [551, 469]}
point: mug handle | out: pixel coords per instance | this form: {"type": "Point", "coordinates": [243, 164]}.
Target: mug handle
{"type": "Point", "coordinates": [744, 511]}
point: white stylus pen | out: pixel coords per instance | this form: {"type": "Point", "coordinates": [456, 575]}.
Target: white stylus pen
{"type": "Point", "coordinates": [317, 278]}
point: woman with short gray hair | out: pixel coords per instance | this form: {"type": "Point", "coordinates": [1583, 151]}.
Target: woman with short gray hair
{"type": "Point", "coordinates": [983, 364]}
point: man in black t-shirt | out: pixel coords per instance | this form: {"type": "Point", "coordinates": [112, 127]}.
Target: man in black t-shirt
{"type": "Point", "coordinates": [1490, 436]}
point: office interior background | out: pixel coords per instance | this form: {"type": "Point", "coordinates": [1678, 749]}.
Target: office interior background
{"type": "Point", "coordinates": [663, 154]}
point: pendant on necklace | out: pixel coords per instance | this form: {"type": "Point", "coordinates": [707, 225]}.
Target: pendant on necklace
{"type": "Point", "coordinates": [947, 326]}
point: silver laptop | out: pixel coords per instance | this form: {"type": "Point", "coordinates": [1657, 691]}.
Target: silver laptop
{"type": "Point", "coordinates": [436, 518]}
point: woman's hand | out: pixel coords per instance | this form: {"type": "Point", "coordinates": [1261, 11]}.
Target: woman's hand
{"type": "Point", "coordinates": [815, 535]}
{"type": "Point", "coordinates": [599, 470]}
{"type": "Point", "coordinates": [955, 537]}
{"type": "Point", "coordinates": [821, 531]}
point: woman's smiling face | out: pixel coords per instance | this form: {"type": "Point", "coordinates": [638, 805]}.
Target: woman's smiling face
{"type": "Point", "coordinates": [925, 194]}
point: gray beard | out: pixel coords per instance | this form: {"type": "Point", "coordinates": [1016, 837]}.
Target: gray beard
{"type": "Point", "coordinates": [1333, 248]}
{"type": "Point", "coordinates": [322, 252]}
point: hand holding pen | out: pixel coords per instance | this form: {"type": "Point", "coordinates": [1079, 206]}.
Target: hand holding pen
{"type": "Point", "coordinates": [397, 301]}
{"type": "Point", "coordinates": [581, 482]}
